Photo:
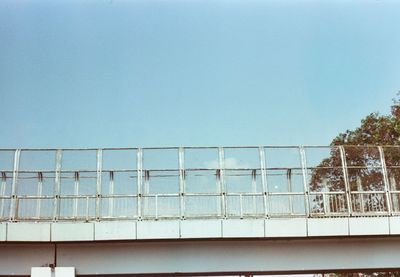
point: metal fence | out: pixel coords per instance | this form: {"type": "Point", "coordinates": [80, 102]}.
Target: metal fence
{"type": "Point", "coordinates": [198, 182]}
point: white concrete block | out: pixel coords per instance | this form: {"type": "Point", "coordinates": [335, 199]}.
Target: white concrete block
{"type": "Point", "coordinates": [121, 230]}
{"type": "Point", "coordinates": [287, 227]}
{"type": "Point", "coordinates": [328, 227]}
{"type": "Point", "coordinates": [242, 228]}
{"type": "Point", "coordinates": [369, 226]}
{"type": "Point", "coordinates": [394, 224]}
{"type": "Point", "coordinates": [61, 231]}
{"type": "Point", "coordinates": [28, 231]}
{"type": "Point", "coordinates": [41, 272]}
{"type": "Point", "coordinates": [161, 229]}
{"type": "Point", "coordinates": [3, 231]}
{"type": "Point", "coordinates": [64, 272]}
{"type": "Point", "coordinates": [206, 228]}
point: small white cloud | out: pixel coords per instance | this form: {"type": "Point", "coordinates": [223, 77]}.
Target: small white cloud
{"type": "Point", "coordinates": [230, 163]}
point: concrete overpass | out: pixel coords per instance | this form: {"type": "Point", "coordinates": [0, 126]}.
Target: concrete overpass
{"type": "Point", "coordinates": [199, 210]}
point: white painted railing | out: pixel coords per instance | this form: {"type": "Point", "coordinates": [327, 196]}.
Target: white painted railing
{"type": "Point", "coordinates": [198, 182]}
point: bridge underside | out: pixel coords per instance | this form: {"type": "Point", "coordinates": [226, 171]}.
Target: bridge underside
{"type": "Point", "coordinates": [205, 257]}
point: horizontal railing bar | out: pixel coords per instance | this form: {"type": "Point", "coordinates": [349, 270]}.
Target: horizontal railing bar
{"type": "Point", "coordinates": [119, 196]}
{"type": "Point", "coordinates": [327, 192]}
{"type": "Point", "coordinates": [202, 194]}
{"type": "Point", "coordinates": [196, 194]}
{"type": "Point", "coordinates": [191, 169]}
{"type": "Point", "coordinates": [35, 197]}
{"type": "Point", "coordinates": [285, 193]}
{"type": "Point", "coordinates": [199, 147]}
{"type": "Point", "coordinates": [77, 196]}
{"type": "Point", "coordinates": [367, 192]}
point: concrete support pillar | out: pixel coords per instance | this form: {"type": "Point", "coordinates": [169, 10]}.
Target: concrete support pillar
{"type": "Point", "coordinates": [49, 272]}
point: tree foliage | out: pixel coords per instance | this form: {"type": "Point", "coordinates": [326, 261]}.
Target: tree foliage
{"type": "Point", "coordinates": [364, 168]}
{"type": "Point", "coordinates": [363, 162]}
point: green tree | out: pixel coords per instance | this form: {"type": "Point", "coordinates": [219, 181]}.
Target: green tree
{"type": "Point", "coordinates": [364, 161]}
{"type": "Point", "coordinates": [362, 157]}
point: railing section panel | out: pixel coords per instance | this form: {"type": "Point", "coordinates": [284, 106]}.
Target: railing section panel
{"type": "Point", "coordinates": [367, 188]}
{"type": "Point", "coordinates": [392, 160]}
{"type": "Point", "coordinates": [119, 184]}
{"type": "Point", "coordinates": [35, 185]}
{"type": "Point", "coordinates": [285, 181]}
{"type": "Point", "coordinates": [6, 169]}
{"type": "Point", "coordinates": [78, 185]}
{"type": "Point", "coordinates": [202, 191]}
{"type": "Point", "coordinates": [243, 185]}
{"type": "Point", "coordinates": [202, 196]}
{"type": "Point", "coordinates": [325, 179]}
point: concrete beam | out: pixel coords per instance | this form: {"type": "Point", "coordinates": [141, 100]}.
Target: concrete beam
{"type": "Point", "coordinates": [19, 258]}
{"type": "Point", "coordinates": [207, 257]}
{"type": "Point", "coordinates": [232, 256]}
{"type": "Point", "coordinates": [198, 229]}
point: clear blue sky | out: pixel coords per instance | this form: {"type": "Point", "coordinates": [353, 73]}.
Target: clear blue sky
{"type": "Point", "coordinates": [166, 73]}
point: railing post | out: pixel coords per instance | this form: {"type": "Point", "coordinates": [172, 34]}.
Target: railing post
{"type": "Point", "coordinates": [13, 204]}
{"type": "Point", "coordinates": [110, 194]}
{"type": "Point", "coordinates": [361, 195]}
{"type": "Point", "coordinates": [139, 165]}
{"type": "Point", "coordinates": [2, 192]}
{"type": "Point", "coordinates": [346, 181]}
{"type": "Point", "coordinates": [156, 211]}
{"type": "Point", "coordinates": [394, 196]}
{"type": "Point", "coordinates": [386, 181]}
{"type": "Point", "coordinates": [181, 156]}
{"type": "Point", "coordinates": [264, 181]}
{"type": "Point", "coordinates": [290, 189]}
{"type": "Point", "coordinates": [99, 173]}
{"type": "Point", "coordinates": [76, 194]}
{"type": "Point", "coordinates": [87, 208]}
{"type": "Point", "coordinates": [241, 205]}
{"type": "Point", "coordinates": [57, 187]}
{"type": "Point", "coordinates": [305, 178]}
{"type": "Point", "coordinates": [254, 189]}
{"type": "Point", "coordinates": [39, 194]}
{"type": "Point", "coordinates": [146, 192]}
{"type": "Point", "coordinates": [221, 159]}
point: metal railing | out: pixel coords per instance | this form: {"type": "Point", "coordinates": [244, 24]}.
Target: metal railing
{"type": "Point", "coordinates": [198, 182]}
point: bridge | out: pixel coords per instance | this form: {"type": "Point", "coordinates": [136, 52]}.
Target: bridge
{"type": "Point", "coordinates": [199, 210]}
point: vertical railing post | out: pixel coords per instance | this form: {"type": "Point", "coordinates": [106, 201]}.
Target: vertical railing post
{"type": "Point", "coordinates": [394, 195]}
{"type": "Point", "coordinates": [111, 195]}
{"type": "Point", "coordinates": [13, 205]}
{"type": "Point", "coordinates": [139, 166]}
{"type": "Point", "coordinates": [325, 198]}
{"type": "Point", "coordinates": [76, 194]}
{"type": "Point", "coordinates": [2, 192]}
{"type": "Point", "coordinates": [87, 208]}
{"type": "Point", "coordinates": [386, 181]}
{"type": "Point", "coordinates": [241, 205]}
{"type": "Point", "coordinates": [346, 180]}
{"type": "Point", "coordinates": [146, 191]}
{"type": "Point", "coordinates": [221, 159]}
{"type": "Point", "coordinates": [156, 208]}
{"type": "Point", "coordinates": [181, 156]}
{"type": "Point", "coordinates": [305, 180]}
{"type": "Point", "coordinates": [290, 189]}
{"type": "Point", "coordinates": [39, 194]}
{"type": "Point", "coordinates": [57, 187]}
{"type": "Point", "coordinates": [254, 189]}
{"type": "Point", "coordinates": [361, 195]}
{"type": "Point", "coordinates": [264, 182]}
{"type": "Point", "coordinates": [99, 173]}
